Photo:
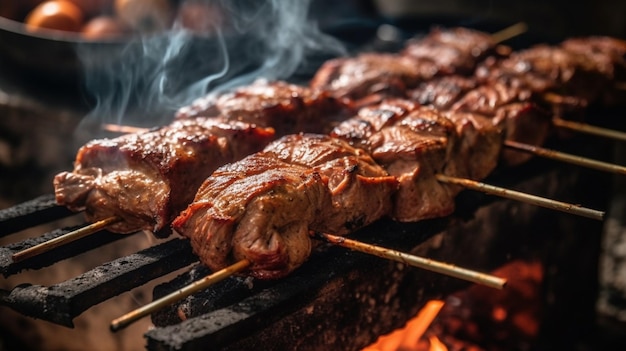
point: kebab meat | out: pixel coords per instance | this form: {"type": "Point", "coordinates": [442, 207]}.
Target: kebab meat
{"type": "Point", "coordinates": [147, 178]}
{"type": "Point", "coordinates": [413, 143]}
{"type": "Point", "coordinates": [368, 77]}
{"type": "Point", "coordinates": [144, 178]}
{"type": "Point", "coordinates": [110, 176]}
{"type": "Point", "coordinates": [290, 108]}
{"type": "Point", "coordinates": [263, 207]}
{"type": "Point", "coordinates": [253, 209]}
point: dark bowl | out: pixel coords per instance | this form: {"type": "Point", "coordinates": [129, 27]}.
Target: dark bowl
{"type": "Point", "coordinates": [52, 54]}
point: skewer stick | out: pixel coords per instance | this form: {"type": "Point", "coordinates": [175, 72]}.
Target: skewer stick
{"type": "Point", "coordinates": [524, 197]}
{"type": "Point", "coordinates": [589, 129]}
{"type": "Point", "coordinates": [564, 157]}
{"type": "Point", "coordinates": [620, 85]}
{"type": "Point", "coordinates": [64, 239]}
{"type": "Point", "coordinates": [509, 32]}
{"type": "Point", "coordinates": [416, 261]}
{"type": "Point", "coordinates": [133, 316]}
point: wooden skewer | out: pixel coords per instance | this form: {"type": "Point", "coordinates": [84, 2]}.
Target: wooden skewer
{"type": "Point", "coordinates": [509, 32]}
{"type": "Point", "coordinates": [589, 129]}
{"type": "Point", "coordinates": [133, 316]}
{"type": "Point", "coordinates": [416, 261]}
{"type": "Point", "coordinates": [564, 157]}
{"type": "Point", "coordinates": [528, 198]}
{"type": "Point", "coordinates": [64, 239]}
{"type": "Point", "coordinates": [620, 85]}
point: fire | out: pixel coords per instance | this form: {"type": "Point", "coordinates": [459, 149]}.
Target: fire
{"type": "Point", "coordinates": [408, 338]}
{"type": "Point", "coordinates": [476, 318]}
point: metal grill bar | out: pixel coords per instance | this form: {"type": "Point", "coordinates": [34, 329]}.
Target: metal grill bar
{"type": "Point", "coordinates": [31, 213]}
{"type": "Point", "coordinates": [62, 302]}
{"type": "Point", "coordinates": [8, 267]}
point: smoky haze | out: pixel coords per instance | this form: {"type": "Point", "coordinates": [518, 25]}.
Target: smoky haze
{"type": "Point", "coordinates": [145, 81]}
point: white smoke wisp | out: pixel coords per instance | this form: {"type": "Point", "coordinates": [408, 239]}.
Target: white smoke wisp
{"type": "Point", "coordinates": [147, 80]}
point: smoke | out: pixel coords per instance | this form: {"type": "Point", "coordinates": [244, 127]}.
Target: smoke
{"type": "Point", "coordinates": [145, 81]}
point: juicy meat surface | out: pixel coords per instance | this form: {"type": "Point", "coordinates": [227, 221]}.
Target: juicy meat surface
{"type": "Point", "coordinates": [479, 147]}
{"type": "Point", "coordinates": [512, 111]}
{"type": "Point", "coordinates": [413, 144]}
{"type": "Point", "coordinates": [608, 54]}
{"type": "Point", "coordinates": [544, 69]}
{"type": "Point", "coordinates": [485, 99]}
{"type": "Point", "coordinates": [368, 77]}
{"type": "Point", "coordinates": [525, 123]}
{"type": "Point", "coordinates": [454, 50]}
{"type": "Point", "coordinates": [286, 107]}
{"type": "Point", "coordinates": [264, 207]}
{"type": "Point", "coordinates": [148, 178]}
{"type": "Point", "coordinates": [442, 92]}
{"type": "Point", "coordinates": [609, 58]}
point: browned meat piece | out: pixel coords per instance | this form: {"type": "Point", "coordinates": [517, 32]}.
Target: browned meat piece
{"type": "Point", "coordinates": [546, 69]}
{"type": "Point", "coordinates": [146, 178]}
{"type": "Point", "coordinates": [263, 207]}
{"type": "Point", "coordinates": [442, 92]}
{"type": "Point", "coordinates": [288, 108]}
{"type": "Point", "coordinates": [608, 54]}
{"type": "Point", "coordinates": [512, 111]}
{"type": "Point", "coordinates": [369, 77]}
{"type": "Point", "coordinates": [359, 187]}
{"type": "Point", "coordinates": [476, 154]}
{"type": "Point", "coordinates": [371, 119]}
{"type": "Point", "coordinates": [609, 57]}
{"type": "Point", "coordinates": [453, 50]}
{"type": "Point", "coordinates": [372, 77]}
{"type": "Point", "coordinates": [412, 145]}
{"type": "Point", "coordinates": [524, 123]}
{"type": "Point", "coordinates": [485, 99]}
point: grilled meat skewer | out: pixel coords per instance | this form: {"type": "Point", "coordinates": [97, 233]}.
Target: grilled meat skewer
{"type": "Point", "coordinates": [413, 143]}
{"type": "Point", "coordinates": [368, 77]}
{"type": "Point", "coordinates": [147, 178]}
{"type": "Point", "coordinates": [281, 100]}
{"type": "Point", "coordinates": [288, 108]}
{"type": "Point", "coordinates": [263, 207]}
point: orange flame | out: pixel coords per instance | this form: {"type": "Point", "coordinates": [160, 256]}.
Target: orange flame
{"type": "Point", "coordinates": [436, 344]}
{"type": "Point", "coordinates": [409, 336]}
